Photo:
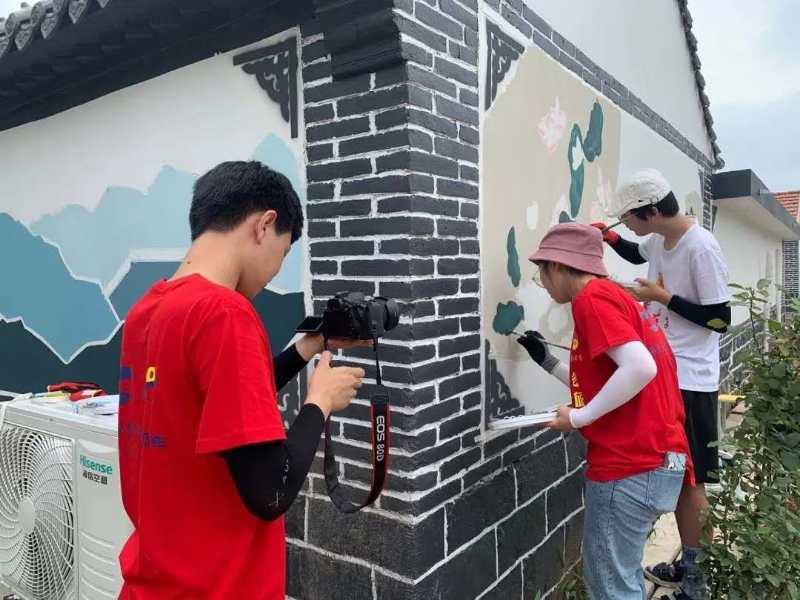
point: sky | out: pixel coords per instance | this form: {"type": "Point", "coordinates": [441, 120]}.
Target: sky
{"type": "Point", "coordinates": [750, 54]}
{"type": "Point", "coordinates": [751, 62]}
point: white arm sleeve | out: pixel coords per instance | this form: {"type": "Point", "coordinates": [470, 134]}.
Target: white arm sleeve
{"type": "Point", "coordinates": [635, 369]}
{"type": "Point", "coordinates": [561, 372]}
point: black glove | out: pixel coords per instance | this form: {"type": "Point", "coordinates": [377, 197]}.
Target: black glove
{"type": "Point", "coordinates": [532, 342]}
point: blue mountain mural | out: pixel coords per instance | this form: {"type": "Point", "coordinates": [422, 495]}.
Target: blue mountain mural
{"type": "Point", "coordinates": [96, 242]}
{"type": "Point", "coordinates": [38, 287]}
{"type": "Point", "coordinates": [139, 279]}
{"type": "Point", "coordinates": [281, 313]}
{"type": "Point", "coordinates": [62, 313]}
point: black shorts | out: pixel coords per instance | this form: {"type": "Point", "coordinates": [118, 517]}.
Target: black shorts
{"type": "Point", "coordinates": [701, 429]}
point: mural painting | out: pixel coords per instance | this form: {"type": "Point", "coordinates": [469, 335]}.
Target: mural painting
{"type": "Point", "coordinates": [552, 152]}
{"type": "Point", "coordinates": [72, 269]}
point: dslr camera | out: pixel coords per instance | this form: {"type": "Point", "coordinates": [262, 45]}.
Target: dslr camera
{"type": "Point", "coordinates": [354, 316]}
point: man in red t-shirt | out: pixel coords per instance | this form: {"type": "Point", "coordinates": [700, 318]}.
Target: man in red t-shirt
{"type": "Point", "coordinates": [626, 403]}
{"type": "Point", "coordinates": [207, 468]}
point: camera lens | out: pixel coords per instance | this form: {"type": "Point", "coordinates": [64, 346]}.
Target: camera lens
{"type": "Point", "coordinates": [391, 314]}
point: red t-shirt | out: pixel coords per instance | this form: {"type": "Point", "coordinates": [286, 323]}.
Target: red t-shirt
{"type": "Point", "coordinates": [195, 379]}
{"type": "Point", "coordinates": [634, 437]}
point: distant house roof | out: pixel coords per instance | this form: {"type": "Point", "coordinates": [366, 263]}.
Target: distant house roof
{"type": "Point", "coordinates": [790, 201]}
{"type": "Point", "coordinates": [745, 187]}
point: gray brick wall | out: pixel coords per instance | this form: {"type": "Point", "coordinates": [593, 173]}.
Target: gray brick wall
{"type": "Point", "coordinates": [707, 196]}
{"type": "Point", "coordinates": [733, 346]}
{"type": "Point", "coordinates": [791, 271]}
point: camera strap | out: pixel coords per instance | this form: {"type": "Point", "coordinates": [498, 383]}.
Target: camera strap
{"type": "Point", "coordinates": [379, 418]}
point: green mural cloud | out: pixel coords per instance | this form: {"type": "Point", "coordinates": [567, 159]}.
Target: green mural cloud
{"type": "Point", "coordinates": [593, 144]}
{"type": "Point", "coordinates": [508, 316]}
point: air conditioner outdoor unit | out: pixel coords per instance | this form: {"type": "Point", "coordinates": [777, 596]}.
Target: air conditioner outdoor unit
{"type": "Point", "coordinates": [62, 524]}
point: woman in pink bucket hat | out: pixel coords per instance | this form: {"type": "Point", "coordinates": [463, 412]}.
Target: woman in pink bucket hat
{"type": "Point", "coordinates": [626, 403]}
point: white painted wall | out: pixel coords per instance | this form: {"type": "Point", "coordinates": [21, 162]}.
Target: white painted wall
{"type": "Point", "coordinates": [191, 119]}
{"type": "Point", "coordinates": [752, 252]}
{"type": "Point", "coordinates": [641, 43]}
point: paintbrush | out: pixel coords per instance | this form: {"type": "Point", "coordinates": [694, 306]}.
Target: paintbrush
{"type": "Point", "coordinates": [604, 229]}
{"type": "Point", "coordinates": [515, 332]}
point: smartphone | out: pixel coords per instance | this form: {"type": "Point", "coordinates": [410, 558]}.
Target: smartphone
{"type": "Point", "coordinates": [311, 324]}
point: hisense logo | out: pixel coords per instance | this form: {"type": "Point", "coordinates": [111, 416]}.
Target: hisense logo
{"type": "Point", "coordinates": [88, 463]}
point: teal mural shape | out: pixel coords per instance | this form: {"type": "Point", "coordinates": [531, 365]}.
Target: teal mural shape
{"type": "Point", "coordinates": [95, 243]}
{"type": "Point", "coordinates": [593, 144]}
{"type": "Point", "coordinates": [590, 147]}
{"type": "Point", "coordinates": [512, 265]}
{"type": "Point", "coordinates": [507, 317]}
{"type": "Point", "coordinates": [38, 288]}
{"type": "Point", "coordinates": [576, 174]}
{"type": "Point", "coordinates": [139, 278]}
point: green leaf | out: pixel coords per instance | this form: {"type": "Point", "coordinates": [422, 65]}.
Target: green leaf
{"type": "Point", "coordinates": [507, 317]}
{"type": "Point", "coordinates": [790, 460]}
{"type": "Point", "coordinates": [778, 371]}
{"type": "Point", "coordinates": [593, 144]}
{"type": "Point", "coordinates": [512, 265]}
{"type": "Point", "coordinates": [793, 439]}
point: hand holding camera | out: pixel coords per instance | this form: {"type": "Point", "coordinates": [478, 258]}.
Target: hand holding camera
{"type": "Point", "coordinates": [351, 319]}
{"type": "Point", "coordinates": [332, 388]}
{"type": "Point", "coordinates": [312, 344]}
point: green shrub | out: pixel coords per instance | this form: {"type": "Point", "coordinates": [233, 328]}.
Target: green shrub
{"type": "Point", "coordinates": [755, 552]}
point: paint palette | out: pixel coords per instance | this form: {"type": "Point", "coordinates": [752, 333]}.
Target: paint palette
{"type": "Point", "coordinates": [523, 420]}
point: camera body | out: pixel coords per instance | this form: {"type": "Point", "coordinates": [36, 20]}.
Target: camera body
{"type": "Point", "coordinates": [354, 316]}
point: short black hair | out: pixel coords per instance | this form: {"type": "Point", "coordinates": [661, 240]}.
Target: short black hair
{"type": "Point", "coordinates": [232, 191]}
{"type": "Point", "coordinates": [667, 206]}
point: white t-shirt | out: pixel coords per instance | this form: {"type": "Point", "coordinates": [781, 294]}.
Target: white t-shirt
{"type": "Point", "coordinates": [696, 271]}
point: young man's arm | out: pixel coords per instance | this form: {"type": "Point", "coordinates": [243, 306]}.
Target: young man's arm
{"type": "Point", "coordinates": [716, 317]}
{"type": "Point", "coordinates": [269, 476]}
{"type": "Point", "coordinates": [624, 248]}
{"type": "Point", "coordinates": [295, 358]}
{"type": "Point", "coordinates": [287, 365]}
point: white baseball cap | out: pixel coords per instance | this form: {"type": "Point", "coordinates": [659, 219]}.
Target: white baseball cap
{"type": "Point", "coordinates": [643, 188]}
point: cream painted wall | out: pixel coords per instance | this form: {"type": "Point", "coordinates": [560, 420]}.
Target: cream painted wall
{"type": "Point", "coordinates": [752, 253]}
{"type": "Point", "coordinates": [641, 43]}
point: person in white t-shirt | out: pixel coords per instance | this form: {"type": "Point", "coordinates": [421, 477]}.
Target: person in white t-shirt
{"type": "Point", "coordinates": [686, 290]}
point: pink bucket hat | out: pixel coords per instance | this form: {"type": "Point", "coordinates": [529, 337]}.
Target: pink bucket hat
{"type": "Point", "coordinates": [575, 245]}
